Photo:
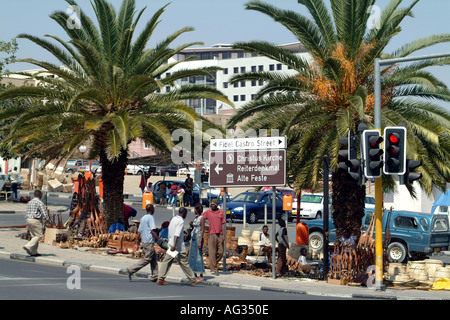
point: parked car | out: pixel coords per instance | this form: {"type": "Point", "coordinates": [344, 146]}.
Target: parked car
{"type": "Point", "coordinates": [255, 202]}
{"type": "Point", "coordinates": [184, 171]}
{"type": "Point", "coordinates": [369, 203]}
{"type": "Point", "coordinates": [73, 166]}
{"type": "Point", "coordinates": [311, 205]}
{"type": "Point", "coordinates": [133, 169]}
{"type": "Point", "coordinates": [167, 171]}
{"type": "Point", "coordinates": [411, 233]}
{"type": "Point", "coordinates": [211, 193]}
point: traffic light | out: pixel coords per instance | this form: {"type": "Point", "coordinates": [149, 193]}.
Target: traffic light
{"type": "Point", "coordinates": [371, 140]}
{"type": "Point", "coordinates": [411, 176]}
{"type": "Point", "coordinates": [355, 170]}
{"type": "Point", "coordinates": [344, 154]}
{"type": "Point", "coordinates": [348, 157]}
{"type": "Point", "coordinates": [394, 150]}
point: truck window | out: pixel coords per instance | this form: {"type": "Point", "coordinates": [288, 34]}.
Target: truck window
{"type": "Point", "coordinates": [440, 225]}
{"type": "Point", "coordinates": [368, 218]}
{"type": "Point", "coordinates": [424, 224]}
{"type": "Point", "coordinates": [311, 198]}
{"type": "Point", "coordinates": [405, 222]}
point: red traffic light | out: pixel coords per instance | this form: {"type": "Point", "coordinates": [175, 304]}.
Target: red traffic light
{"type": "Point", "coordinates": [395, 150]}
{"type": "Point", "coordinates": [394, 137]}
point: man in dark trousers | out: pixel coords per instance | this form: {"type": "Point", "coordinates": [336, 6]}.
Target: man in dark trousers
{"type": "Point", "coordinates": [149, 236]}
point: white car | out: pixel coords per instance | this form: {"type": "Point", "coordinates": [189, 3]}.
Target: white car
{"type": "Point", "coordinates": [311, 205]}
{"type": "Point", "coordinates": [369, 203]}
{"type": "Point", "coordinates": [135, 169]}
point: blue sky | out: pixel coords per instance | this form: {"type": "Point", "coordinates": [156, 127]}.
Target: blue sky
{"type": "Point", "coordinates": [215, 21]}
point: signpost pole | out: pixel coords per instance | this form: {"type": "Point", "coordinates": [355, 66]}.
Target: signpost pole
{"type": "Point", "coordinates": [224, 209]}
{"type": "Point", "coordinates": [274, 212]}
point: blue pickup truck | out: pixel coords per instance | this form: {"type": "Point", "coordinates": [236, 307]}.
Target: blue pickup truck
{"type": "Point", "coordinates": [411, 233]}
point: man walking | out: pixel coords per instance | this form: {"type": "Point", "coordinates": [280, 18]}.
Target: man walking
{"type": "Point", "coordinates": [148, 236]}
{"type": "Point", "coordinates": [216, 219]}
{"type": "Point", "coordinates": [177, 249]}
{"type": "Point", "coordinates": [36, 212]}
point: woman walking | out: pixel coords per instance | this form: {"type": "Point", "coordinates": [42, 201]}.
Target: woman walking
{"type": "Point", "coordinates": [196, 250]}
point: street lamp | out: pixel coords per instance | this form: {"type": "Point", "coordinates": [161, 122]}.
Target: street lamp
{"type": "Point", "coordinates": [82, 149]}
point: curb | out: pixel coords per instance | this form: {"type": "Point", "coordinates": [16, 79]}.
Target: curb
{"type": "Point", "coordinates": [145, 275]}
{"type": "Point", "coordinates": [22, 211]}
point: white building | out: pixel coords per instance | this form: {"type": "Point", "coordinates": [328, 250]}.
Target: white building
{"type": "Point", "coordinates": [232, 62]}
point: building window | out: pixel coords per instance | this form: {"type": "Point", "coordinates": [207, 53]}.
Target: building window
{"type": "Point", "coordinates": [240, 54]}
{"type": "Point", "coordinates": [225, 71]}
{"type": "Point", "coordinates": [225, 85]}
{"type": "Point", "coordinates": [271, 67]}
{"type": "Point", "coordinates": [253, 68]}
{"type": "Point", "coordinates": [253, 83]}
{"type": "Point", "coordinates": [242, 97]}
{"type": "Point", "coordinates": [279, 66]}
{"type": "Point", "coordinates": [226, 55]}
{"type": "Point", "coordinates": [235, 70]}
{"type": "Point", "coordinates": [235, 84]}
{"type": "Point", "coordinates": [242, 69]}
{"type": "Point", "coordinates": [242, 83]}
{"type": "Point", "coordinates": [235, 98]}
{"type": "Point", "coordinates": [260, 68]}
{"type": "Point", "coordinates": [260, 82]}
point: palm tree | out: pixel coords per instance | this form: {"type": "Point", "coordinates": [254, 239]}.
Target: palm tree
{"type": "Point", "coordinates": [108, 93]}
{"type": "Point", "coordinates": [331, 93]}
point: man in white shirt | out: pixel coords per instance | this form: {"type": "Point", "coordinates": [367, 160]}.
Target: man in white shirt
{"type": "Point", "coordinates": [36, 211]}
{"type": "Point", "coordinates": [305, 267]}
{"type": "Point", "coordinates": [177, 249]}
{"type": "Point", "coordinates": [264, 242]}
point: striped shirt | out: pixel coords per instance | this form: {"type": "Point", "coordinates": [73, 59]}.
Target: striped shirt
{"type": "Point", "coordinates": [36, 210]}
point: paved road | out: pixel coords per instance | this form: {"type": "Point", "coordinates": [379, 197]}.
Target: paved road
{"type": "Point", "coordinates": [27, 281]}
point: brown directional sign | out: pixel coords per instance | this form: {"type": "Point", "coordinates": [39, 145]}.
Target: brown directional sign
{"type": "Point", "coordinates": [247, 168]}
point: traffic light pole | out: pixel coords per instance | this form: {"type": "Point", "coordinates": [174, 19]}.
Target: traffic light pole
{"type": "Point", "coordinates": [378, 181]}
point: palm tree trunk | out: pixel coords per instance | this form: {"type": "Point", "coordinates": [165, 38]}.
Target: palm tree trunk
{"type": "Point", "coordinates": [348, 203]}
{"type": "Point", "coordinates": [113, 173]}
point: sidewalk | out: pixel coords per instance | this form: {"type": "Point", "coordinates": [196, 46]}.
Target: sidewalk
{"type": "Point", "coordinates": [11, 248]}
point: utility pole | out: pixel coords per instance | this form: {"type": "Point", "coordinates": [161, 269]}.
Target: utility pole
{"type": "Point", "coordinates": [378, 181]}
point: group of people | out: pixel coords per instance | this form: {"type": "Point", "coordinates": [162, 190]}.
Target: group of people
{"type": "Point", "coordinates": [178, 241]}
{"type": "Point", "coordinates": [163, 195]}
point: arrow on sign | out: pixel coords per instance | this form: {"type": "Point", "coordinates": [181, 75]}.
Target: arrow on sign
{"type": "Point", "coordinates": [218, 169]}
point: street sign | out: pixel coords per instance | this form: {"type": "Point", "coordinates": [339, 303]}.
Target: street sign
{"type": "Point", "coordinates": [248, 143]}
{"type": "Point", "coordinates": [247, 168]}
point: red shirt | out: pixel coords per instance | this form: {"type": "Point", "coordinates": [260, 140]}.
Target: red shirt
{"type": "Point", "coordinates": [215, 220]}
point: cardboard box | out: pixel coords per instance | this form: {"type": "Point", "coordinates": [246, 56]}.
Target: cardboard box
{"type": "Point", "coordinates": [55, 185]}
{"type": "Point", "coordinates": [335, 281]}
{"type": "Point", "coordinates": [50, 234]}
